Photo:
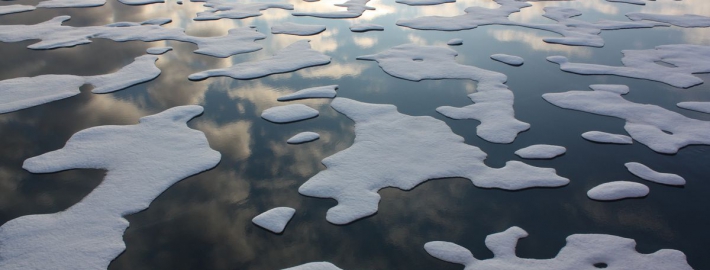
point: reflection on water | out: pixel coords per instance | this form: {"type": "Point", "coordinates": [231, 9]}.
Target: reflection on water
{"type": "Point", "coordinates": [204, 222]}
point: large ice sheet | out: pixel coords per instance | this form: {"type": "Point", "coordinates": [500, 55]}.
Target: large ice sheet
{"type": "Point", "coordinates": [355, 8]}
{"type": "Point", "coordinates": [290, 28]}
{"type": "Point", "coordinates": [618, 190]}
{"type": "Point", "coordinates": [493, 102]}
{"type": "Point", "coordinates": [646, 173]}
{"type": "Point", "coordinates": [698, 106]}
{"type": "Point", "coordinates": [274, 220]}
{"type": "Point", "coordinates": [397, 150]}
{"type": "Point", "coordinates": [582, 251]}
{"type": "Point", "coordinates": [218, 9]}
{"type": "Point", "coordinates": [142, 160]}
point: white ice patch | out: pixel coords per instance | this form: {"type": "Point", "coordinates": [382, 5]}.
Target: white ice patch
{"type": "Point", "coordinates": [635, 2]}
{"type": "Point", "coordinates": [397, 150]}
{"type": "Point", "coordinates": [424, 2]}
{"type": "Point", "coordinates": [55, 35]}
{"type": "Point", "coordinates": [508, 59]}
{"type": "Point", "coordinates": [218, 9]}
{"type": "Point", "coordinates": [274, 220]}
{"type": "Point", "coordinates": [684, 59]}
{"type": "Point", "coordinates": [294, 57]}
{"type": "Point", "coordinates": [687, 20]}
{"type": "Point", "coordinates": [8, 9]}
{"type": "Point", "coordinates": [289, 113]}
{"type": "Point", "coordinates": [618, 190]}
{"type": "Point", "coordinates": [327, 91]}
{"type": "Point", "coordinates": [355, 8]}
{"type": "Point", "coordinates": [140, 2]}
{"type": "Point", "coordinates": [455, 42]}
{"type": "Point", "coordinates": [583, 251]}
{"type": "Point", "coordinates": [142, 160]}
{"type": "Point", "coordinates": [364, 27]}
{"type": "Point", "coordinates": [646, 173]}
{"type": "Point", "coordinates": [315, 266]}
{"type": "Point", "coordinates": [159, 50]}
{"type": "Point", "coordinates": [662, 130]}
{"type": "Point", "coordinates": [493, 102]}
{"type": "Point", "coordinates": [541, 151]}
{"type": "Point", "coordinates": [603, 137]}
{"type": "Point", "coordinates": [303, 137]}
{"type": "Point", "coordinates": [703, 107]}
{"type": "Point", "coordinates": [71, 3]}
{"type": "Point", "coordinates": [290, 28]}
{"type": "Point", "coordinates": [21, 93]}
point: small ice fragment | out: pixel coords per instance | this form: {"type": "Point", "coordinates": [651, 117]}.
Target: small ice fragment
{"type": "Point", "coordinates": [9, 9]}
{"type": "Point", "coordinates": [315, 266]}
{"type": "Point", "coordinates": [635, 2]}
{"type": "Point", "coordinates": [618, 190]}
{"type": "Point", "coordinates": [303, 137]}
{"type": "Point", "coordinates": [646, 173]}
{"type": "Point", "coordinates": [140, 2]}
{"type": "Point", "coordinates": [364, 27]}
{"type": "Point", "coordinates": [71, 3]}
{"type": "Point", "coordinates": [290, 28]}
{"type": "Point", "coordinates": [158, 50]}
{"type": "Point", "coordinates": [327, 91]}
{"type": "Point", "coordinates": [541, 151]}
{"type": "Point", "coordinates": [603, 137]}
{"type": "Point", "coordinates": [424, 2]}
{"type": "Point", "coordinates": [703, 107]}
{"type": "Point", "coordinates": [355, 8]}
{"type": "Point", "coordinates": [289, 113]}
{"type": "Point", "coordinates": [455, 42]}
{"type": "Point", "coordinates": [508, 59]}
{"type": "Point", "coordinates": [274, 220]}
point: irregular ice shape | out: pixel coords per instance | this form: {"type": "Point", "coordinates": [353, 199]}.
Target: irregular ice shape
{"type": "Point", "coordinates": [574, 32]}
{"type": "Point", "coordinates": [355, 9]}
{"type": "Point", "coordinates": [315, 266]}
{"type": "Point", "coordinates": [8, 9]}
{"type": "Point", "coordinates": [71, 3]}
{"type": "Point", "coordinates": [290, 28]}
{"type": "Point", "coordinates": [21, 93]}
{"type": "Point", "coordinates": [364, 27]}
{"type": "Point", "coordinates": [159, 50]}
{"type": "Point", "coordinates": [219, 9]}
{"type": "Point", "coordinates": [397, 150]}
{"type": "Point", "coordinates": [541, 151]}
{"type": "Point", "coordinates": [508, 59]}
{"type": "Point", "coordinates": [303, 137]}
{"type": "Point", "coordinates": [142, 160]}
{"type": "Point", "coordinates": [274, 220]}
{"type": "Point", "coordinates": [687, 20]}
{"type": "Point", "coordinates": [424, 2]}
{"type": "Point", "coordinates": [289, 113]}
{"type": "Point", "coordinates": [635, 2]}
{"type": "Point", "coordinates": [703, 107]}
{"type": "Point", "coordinates": [54, 35]}
{"type": "Point", "coordinates": [583, 251]}
{"type": "Point", "coordinates": [603, 137]}
{"type": "Point", "coordinates": [327, 91]}
{"type": "Point", "coordinates": [493, 102]}
{"type": "Point", "coordinates": [294, 57]}
{"type": "Point", "coordinates": [662, 130]}
{"type": "Point", "coordinates": [140, 2]}
{"type": "Point", "coordinates": [455, 42]}
{"type": "Point", "coordinates": [646, 173]}
{"type": "Point", "coordinates": [685, 60]}
{"type": "Point", "coordinates": [618, 190]}
{"type": "Point", "coordinates": [614, 88]}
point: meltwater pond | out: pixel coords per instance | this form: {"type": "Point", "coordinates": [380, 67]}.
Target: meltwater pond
{"type": "Point", "coordinates": [205, 220]}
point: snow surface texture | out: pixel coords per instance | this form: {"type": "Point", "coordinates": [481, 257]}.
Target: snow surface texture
{"type": "Point", "coordinates": [355, 8]}
{"type": "Point", "coordinates": [424, 2]}
{"type": "Point", "coordinates": [55, 35]}
{"type": "Point", "coordinates": [541, 151]}
{"type": "Point", "coordinates": [159, 50]}
{"type": "Point", "coordinates": [274, 220]}
{"type": "Point", "coordinates": [687, 20]}
{"type": "Point", "coordinates": [8, 9]}
{"type": "Point", "coordinates": [90, 3]}
{"type": "Point", "coordinates": [315, 266]}
{"type": "Point", "coordinates": [582, 251]}
{"type": "Point", "coordinates": [635, 2]}
{"type": "Point", "coordinates": [219, 9]}
{"type": "Point", "coordinates": [21, 93]}
{"type": "Point", "coordinates": [397, 150]}
{"type": "Point", "coordinates": [685, 60]}
{"type": "Point", "coordinates": [662, 130]}
{"type": "Point", "coordinates": [327, 91]}
{"type": "Point", "coordinates": [646, 173]}
{"type": "Point", "coordinates": [508, 59]}
{"type": "Point", "coordinates": [294, 57]}
{"type": "Point", "coordinates": [603, 137]}
{"type": "Point", "coordinates": [455, 42]}
{"type": "Point", "coordinates": [289, 113]}
{"type": "Point", "coordinates": [142, 160]}
{"type": "Point", "coordinates": [290, 28]}
{"type": "Point", "coordinates": [618, 190]}
{"type": "Point", "coordinates": [303, 137]}
{"type": "Point", "coordinates": [574, 32]}
{"type": "Point", "coordinates": [364, 27]}
{"type": "Point", "coordinates": [493, 101]}
{"type": "Point", "coordinates": [703, 107]}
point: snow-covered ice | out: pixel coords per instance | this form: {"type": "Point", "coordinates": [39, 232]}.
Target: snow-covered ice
{"type": "Point", "coordinates": [687, 20]}
{"type": "Point", "coordinates": [508, 59]}
{"type": "Point", "coordinates": [364, 27]}
{"type": "Point", "coordinates": [142, 160]}
{"type": "Point", "coordinates": [8, 9]}
{"type": "Point", "coordinates": [71, 3]}
{"type": "Point", "coordinates": [603, 137]}
{"type": "Point", "coordinates": [290, 28]}
{"type": "Point", "coordinates": [618, 190]}
{"type": "Point", "coordinates": [219, 9]}
{"type": "Point", "coordinates": [327, 91]}
{"type": "Point", "coordinates": [424, 2]}
{"type": "Point", "coordinates": [289, 113]}
{"type": "Point", "coordinates": [582, 251]}
{"type": "Point", "coordinates": [303, 137]}
{"type": "Point", "coordinates": [635, 2]}
{"type": "Point", "coordinates": [646, 173]}
{"type": "Point", "coordinates": [159, 50]}
{"type": "Point", "coordinates": [397, 150]}
{"type": "Point", "coordinates": [541, 151]}
{"type": "Point", "coordinates": [274, 220]}
{"type": "Point", "coordinates": [315, 266]}
{"type": "Point", "coordinates": [455, 42]}
{"type": "Point", "coordinates": [698, 106]}
{"type": "Point", "coordinates": [355, 8]}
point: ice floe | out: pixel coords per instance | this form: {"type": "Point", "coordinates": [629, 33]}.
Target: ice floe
{"type": "Point", "coordinates": [687, 20]}
{"type": "Point", "coordinates": [25, 92]}
{"type": "Point", "coordinates": [274, 220]}
{"type": "Point", "coordinates": [618, 190]}
{"type": "Point", "coordinates": [294, 57]}
{"type": "Point", "coordinates": [603, 137]}
{"type": "Point", "coordinates": [8, 9]}
{"type": "Point", "coordinates": [355, 8]}
{"type": "Point", "coordinates": [646, 173]}
{"type": "Point", "coordinates": [327, 91]}
{"type": "Point", "coordinates": [662, 130]}
{"type": "Point", "coordinates": [397, 150]}
{"type": "Point", "coordinates": [142, 160]}
{"type": "Point", "coordinates": [508, 59]}
{"type": "Point", "coordinates": [424, 2]}
{"type": "Point", "coordinates": [455, 42]}
{"type": "Point", "coordinates": [541, 151]}
{"type": "Point", "coordinates": [71, 3]}
{"type": "Point", "coordinates": [364, 27]}
{"type": "Point", "coordinates": [315, 266]}
{"type": "Point", "coordinates": [290, 28]}
{"type": "Point", "coordinates": [303, 137]}
{"type": "Point", "coordinates": [582, 251]}
{"type": "Point", "coordinates": [493, 102]}
{"type": "Point", "coordinates": [219, 9]}
{"type": "Point", "coordinates": [158, 50]}
{"type": "Point", "coordinates": [289, 113]}
{"type": "Point", "coordinates": [703, 107]}
{"type": "Point", "coordinates": [684, 59]}
{"type": "Point", "coordinates": [635, 2]}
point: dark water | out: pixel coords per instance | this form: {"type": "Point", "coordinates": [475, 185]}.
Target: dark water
{"type": "Point", "coordinates": [204, 221]}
